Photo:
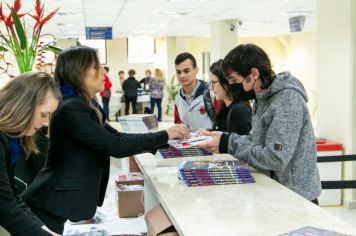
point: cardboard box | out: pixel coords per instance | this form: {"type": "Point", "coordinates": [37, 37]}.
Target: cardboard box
{"type": "Point", "coordinates": [158, 223]}
{"type": "Point", "coordinates": [130, 177]}
{"type": "Point", "coordinates": [129, 202]}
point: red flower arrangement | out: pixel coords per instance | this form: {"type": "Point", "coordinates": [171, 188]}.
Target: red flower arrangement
{"type": "Point", "coordinates": [13, 38]}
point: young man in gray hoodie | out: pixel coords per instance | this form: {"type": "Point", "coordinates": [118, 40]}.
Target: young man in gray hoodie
{"type": "Point", "coordinates": [281, 143]}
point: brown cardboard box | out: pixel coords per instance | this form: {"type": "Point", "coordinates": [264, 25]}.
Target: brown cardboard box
{"type": "Point", "coordinates": [158, 223]}
{"type": "Point", "coordinates": [129, 202]}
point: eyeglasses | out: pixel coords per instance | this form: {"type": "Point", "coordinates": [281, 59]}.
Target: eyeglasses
{"type": "Point", "coordinates": [213, 82]}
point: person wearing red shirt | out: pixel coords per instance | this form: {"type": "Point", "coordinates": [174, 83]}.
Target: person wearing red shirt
{"type": "Point", "coordinates": [106, 93]}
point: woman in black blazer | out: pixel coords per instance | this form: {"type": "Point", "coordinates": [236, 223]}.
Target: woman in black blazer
{"type": "Point", "coordinates": [26, 104]}
{"type": "Point", "coordinates": [233, 116]}
{"type": "Point", "coordinates": [74, 180]}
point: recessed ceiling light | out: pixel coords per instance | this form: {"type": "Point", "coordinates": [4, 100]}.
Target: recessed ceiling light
{"type": "Point", "coordinates": [296, 13]}
{"type": "Point", "coordinates": [188, 0]}
{"type": "Point", "coordinates": [144, 31]}
{"type": "Point", "coordinates": [70, 13]}
{"type": "Point", "coordinates": [75, 32]}
{"type": "Point", "coordinates": [161, 25]}
{"type": "Point", "coordinates": [70, 24]}
{"type": "Point", "coordinates": [169, 14]}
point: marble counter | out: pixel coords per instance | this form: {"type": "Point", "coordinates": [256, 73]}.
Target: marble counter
{"type": "Point", "coordinates": [263, 208]}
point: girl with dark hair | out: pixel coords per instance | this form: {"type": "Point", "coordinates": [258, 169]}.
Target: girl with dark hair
{"type": "Point", "coordinates": [74, 180]}
{"type": "Point", "coordinates": [26, 104]}
{"type": "Point", "coordinates": [281, 143]}
{"type": "Point", "coordinates": [234, 116]}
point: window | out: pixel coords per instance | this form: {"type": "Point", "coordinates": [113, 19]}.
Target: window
{"type": "Point", "coordinates": [140, 49]}
{"type": "Point", "coordinates": [99, 45]}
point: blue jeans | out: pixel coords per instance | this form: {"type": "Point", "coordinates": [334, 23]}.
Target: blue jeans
{"type": "Point", "coordinates": [159, 105]}
{"type": "Point", "coordinates": [106, 105]}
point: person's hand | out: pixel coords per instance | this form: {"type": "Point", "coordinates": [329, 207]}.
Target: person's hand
{"type": "Point", "coordinates": [213, 145]}
{"type": "Point", "coordinates": [49, 231]}
{"type": "Point", "coordinates": [179, 131]}
{"type": "Point", "coordinates": [201, 131]}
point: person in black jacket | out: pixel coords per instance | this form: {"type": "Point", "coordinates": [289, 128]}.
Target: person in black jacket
{"type": "Point", "coordinates": [26, 104]}
{"type": "Point", "coordinates": [74, 180]}
{"type": "Point", "coordinates": [130, 87]}
{"type": "Point", "coordinates": [234, 116]}
{"type": "Point", "coordinates": [27, 168]}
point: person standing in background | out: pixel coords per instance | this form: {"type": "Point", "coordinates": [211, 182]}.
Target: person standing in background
{"type": "Point", "coordinates": [145, 81]}
{"type": "Point", "coordinates": [121, 77]}
{"type": "Point", "coordinates": [26, 105]}
{"type": "Point", "coordinates": [234, 116]}
{"type": "Point", "coordinates": [106, 93]}
{"type": "Point", "coordinates": [156, 85]}
{"type": "Point", "coordinates": [130, 87]}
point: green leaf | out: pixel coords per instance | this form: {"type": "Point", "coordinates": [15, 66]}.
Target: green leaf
{"type": "Point", "coordinates": [19, 29]}
{"type": "Point", "coordinates": [3, 49]}
{"type": "Point", "coordinates": [54, 49]}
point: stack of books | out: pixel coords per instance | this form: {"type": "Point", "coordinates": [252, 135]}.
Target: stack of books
{"type": "Point", "coordinates": [203, 173]}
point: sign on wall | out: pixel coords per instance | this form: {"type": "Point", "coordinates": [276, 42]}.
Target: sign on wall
{"type": "Point", "coordinates": [98, 33]}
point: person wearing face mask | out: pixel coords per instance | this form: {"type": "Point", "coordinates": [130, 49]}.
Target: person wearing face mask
{"type": "Point", "coordinates": [281, 143]}
{"type": "Point", "coordinates": [233, 116]}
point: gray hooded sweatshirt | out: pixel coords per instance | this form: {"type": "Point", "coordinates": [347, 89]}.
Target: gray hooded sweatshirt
{"type": "Point", "coordinates": [281, 143]}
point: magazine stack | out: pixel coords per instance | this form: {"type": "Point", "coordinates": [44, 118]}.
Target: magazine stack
{"type": "Point", "coordinates": [203, 173]}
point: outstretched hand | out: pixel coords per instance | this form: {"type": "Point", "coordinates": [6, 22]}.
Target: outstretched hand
{"type": "Point", "coordinates": [179, 131]}
{"type": "Point", "coordinates": [213, 145]}
{"type": "Point", "coordinates": [49, 231]}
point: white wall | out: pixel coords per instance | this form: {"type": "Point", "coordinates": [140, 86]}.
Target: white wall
{"type": "Point", "coordinates": [295, 53]}
{"type": "Point", "coordinates": [336, 76]}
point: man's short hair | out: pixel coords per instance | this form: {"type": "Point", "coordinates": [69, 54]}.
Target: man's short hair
{"type": "Point", "coordinates": [121, 72]}
{"type": "Point", "coordinates": [184, 56]}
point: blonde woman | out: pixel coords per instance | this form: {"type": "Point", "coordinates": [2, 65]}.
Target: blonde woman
{"type": "Point", "coordinates": [26, 103]}
{"type": "Point", "coordinates": [156, 86]}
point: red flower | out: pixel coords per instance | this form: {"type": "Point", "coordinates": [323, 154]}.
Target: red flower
{"type": "Point", "coordinates": [39, 14]}
{"type": "Point", "coordinates": [2, 17]}
{"type": "Point", "coordinates": [14, 36]}
{"type": "Point", "coordinates": [8, 20]}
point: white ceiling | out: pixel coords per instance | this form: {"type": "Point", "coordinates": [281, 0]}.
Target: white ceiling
{"type": "Point", "coordinates": [174, 17]}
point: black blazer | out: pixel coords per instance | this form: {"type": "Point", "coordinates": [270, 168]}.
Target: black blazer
{"type": "Point", "coordinates": [74, 180]}
{"type": "Point", "coordinates": [15, 216]}
{"type": "Point", "coordinates": [27, 168]}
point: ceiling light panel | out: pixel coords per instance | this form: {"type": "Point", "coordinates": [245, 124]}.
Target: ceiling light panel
{"type": "Point", "coordinates": [103, 5]}
{"type": "Point", "coordinates": [127, 16]}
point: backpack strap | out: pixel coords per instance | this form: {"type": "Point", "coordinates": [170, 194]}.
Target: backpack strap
{"type": "Point", "coordinates": [209, 104]}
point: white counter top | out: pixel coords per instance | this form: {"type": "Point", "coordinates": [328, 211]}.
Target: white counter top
{"type": "Point", "coordinates": [263, 208]}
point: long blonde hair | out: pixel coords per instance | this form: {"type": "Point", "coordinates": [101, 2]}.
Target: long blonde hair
{"type": "Point", "coordinates": [71, 68]}
{"type": "Point", "coordinates": [159, 74]}
{"type": "Point", "coordinates": [18, 101]}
